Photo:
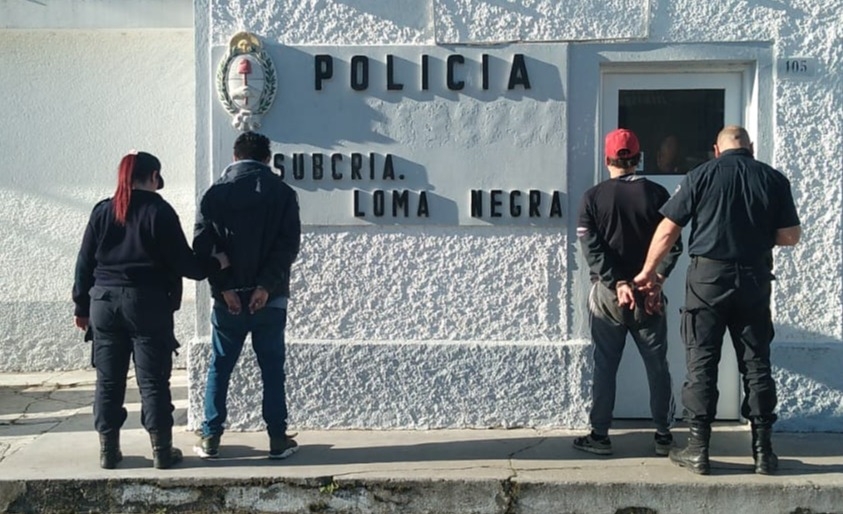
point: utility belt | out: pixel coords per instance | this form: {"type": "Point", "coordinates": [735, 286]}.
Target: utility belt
{"type": "Point", "coordinates": [763, 262]}
{"type": "Point", "coordinates": [762, 266]}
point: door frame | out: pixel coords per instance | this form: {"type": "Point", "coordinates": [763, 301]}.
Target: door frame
{"type": "Point", "coordinates": [632, 392]}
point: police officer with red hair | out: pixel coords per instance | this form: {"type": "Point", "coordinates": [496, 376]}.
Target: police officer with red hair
{"type": "Point", "coordinates": [127, 286]}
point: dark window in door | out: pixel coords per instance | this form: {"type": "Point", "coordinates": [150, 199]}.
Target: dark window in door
{"type": "Point", "coordinates": [676, 127]}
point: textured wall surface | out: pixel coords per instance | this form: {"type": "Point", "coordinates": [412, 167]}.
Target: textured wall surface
{"type": "Point", "coordinates": [393, 327]}
{"type": "Point", "coordinates": [474, 21]}
{"type": "Point", "coordinates": [347, 299]}
{"type": "Point", "coordinates": [364, 22]}
{"type": "Point", "coordinates": [810, 392]}
{"type": "Point", "coordinates": [429, 284]}
{"type": "Point", "coordinates": [76, 103]}
{"type": "Point", "coordinates": [340, 22]}
{"type": "Point", "coordinates": [96, 14]}
{"type": "Point", "coordinates": [396, 384]}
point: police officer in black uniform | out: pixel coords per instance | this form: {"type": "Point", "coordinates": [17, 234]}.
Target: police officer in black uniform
{"type": "Point", "coordinates": [739, 208]}
{"type": "Point", "coordinates": [127, 286]}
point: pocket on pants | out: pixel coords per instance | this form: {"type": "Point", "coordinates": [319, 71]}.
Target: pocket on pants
{"type": "Point", "coordinates": [101, 316]}
{"type": "Point", "coordinates": [149, 312]}
{"type": "Point", "coordinates": [698, 328]}
{"type": "Point", "coordinates": [686, 326]}
{"type": "Point", "coordinates": [711, 275]}
{"type": "Point", "coordinates": [98, 293]}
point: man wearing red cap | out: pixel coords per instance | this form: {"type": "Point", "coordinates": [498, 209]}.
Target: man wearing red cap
{"type": "Point", "coordinates": [617, 219]}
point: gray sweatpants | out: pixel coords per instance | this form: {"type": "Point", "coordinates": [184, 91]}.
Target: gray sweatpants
{"type": "Point", "coordinates": [609, 327]}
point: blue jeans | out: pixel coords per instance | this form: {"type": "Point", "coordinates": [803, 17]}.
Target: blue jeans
{"type": "Point", "coordinates": [609, 327]}
{"type": "Point", "coordinates": [229, 333]}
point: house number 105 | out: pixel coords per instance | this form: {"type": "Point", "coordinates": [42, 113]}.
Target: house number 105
{"type": "Point", "coordinates": [796, 65]}
{"type": "Point", "coordinates": [797, 68]}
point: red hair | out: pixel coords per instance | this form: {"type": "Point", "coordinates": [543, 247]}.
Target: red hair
{"type": "Point", "coordinates": [123, 193]}
{"type": "Point", "coordinates": [134, 167]}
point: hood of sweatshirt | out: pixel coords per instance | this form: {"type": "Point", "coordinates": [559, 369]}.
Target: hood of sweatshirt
{"type": "Point", "coordinates": [241, 184]}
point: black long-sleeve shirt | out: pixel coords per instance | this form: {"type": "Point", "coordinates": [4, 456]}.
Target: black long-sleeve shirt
{"type": "Point", "coordinates": [617, 220]}
{"type": "Point", "coordinates": [150, 250]}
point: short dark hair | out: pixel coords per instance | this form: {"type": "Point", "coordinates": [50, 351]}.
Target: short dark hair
{"type": "Point", "coordinates": [253, 146]}
{"type": "Point", "coordinates": [624, 162]}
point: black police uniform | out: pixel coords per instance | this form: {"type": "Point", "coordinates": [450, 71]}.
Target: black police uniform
{"type": "Point", "coordinates": [128, 283]}
{"type": "Point", "coordinates": [735, 205]}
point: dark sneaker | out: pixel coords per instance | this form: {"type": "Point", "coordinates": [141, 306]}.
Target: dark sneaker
{"type": "Point", "coordinates": [282, 447]}
{"type": "Point", "coordinates": [593, 443]}
{"type": "Point", "coordinates": [663, 444]}
{"type": "Point", "coordinates": [208, 447]}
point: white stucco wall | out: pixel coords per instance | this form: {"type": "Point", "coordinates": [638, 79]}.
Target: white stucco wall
{"type": "Point", "coordinates": [76, 102]}
{"type": "Point", "coordinates": [463, 326]}
{"type": "Point", "coordinates": [350, 323]}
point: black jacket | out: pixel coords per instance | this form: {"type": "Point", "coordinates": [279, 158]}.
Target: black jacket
{"type": "Point", "coordinates": [252, 215]}
{"type": "Point", "coordinates": [150, 250]}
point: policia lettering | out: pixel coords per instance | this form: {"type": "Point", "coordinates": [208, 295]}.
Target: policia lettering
{"type": "Point", "coordinates": [359, 75]}
{"type": "Point", "coordinates": [358, 167]}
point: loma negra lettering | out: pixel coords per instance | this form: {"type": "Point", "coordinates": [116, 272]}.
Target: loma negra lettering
{"type": "Point", "coordinates": [395, 203]}
{"type": "Point", "coordinates": [515, 204]}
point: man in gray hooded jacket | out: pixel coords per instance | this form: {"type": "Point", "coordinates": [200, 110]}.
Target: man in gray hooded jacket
{"type": "Point", "coordinates": [254, 215]}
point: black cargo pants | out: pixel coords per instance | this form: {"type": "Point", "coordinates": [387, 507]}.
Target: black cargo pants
{"type": "Point", "coordinates": [722, 295]}
{"type": "Point", "coordinates": [136, 323]}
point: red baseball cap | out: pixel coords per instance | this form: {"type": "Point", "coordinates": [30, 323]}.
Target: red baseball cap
{"type": "Point", "coordinates": [621, 140]}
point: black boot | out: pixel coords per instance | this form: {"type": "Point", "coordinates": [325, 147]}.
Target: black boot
{"type": "Point", "coordinates": [163, 454]}
{"type": "Point", "coordinates": [695, 455]}
{"type": "Point", "coordinates": [110, 453]}
{"type": "Point", "coordinates": [766, 462]}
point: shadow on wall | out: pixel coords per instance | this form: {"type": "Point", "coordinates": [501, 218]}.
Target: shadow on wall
{"type": "Point", "coordinates": [311, 116]}
{"type": "Point", "coordinates": [312, 119]}
{"type": "Point", "coordinates": [403, 13]}
{"type": "Point", "coordinates": [663, 12]}
{"type": "Point", "coordinates": [514, 8]}
{"type": "Point", "coordinates": [809, 383]}
{"type": "Point", "coordinates": [332, 137]}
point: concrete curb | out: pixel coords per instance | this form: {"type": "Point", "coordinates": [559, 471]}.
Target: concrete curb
{"type": "Point", "coordinates": [327, 495]}
{"type": "Point", "coordinates": [49, 464]}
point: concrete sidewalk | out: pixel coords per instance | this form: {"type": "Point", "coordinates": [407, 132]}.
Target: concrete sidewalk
{"type": "Point", "coordinates": [49, 463]}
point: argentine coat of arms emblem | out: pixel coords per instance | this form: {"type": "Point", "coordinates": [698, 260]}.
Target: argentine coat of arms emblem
{"type": "Point", "coordinates": [246, 81]}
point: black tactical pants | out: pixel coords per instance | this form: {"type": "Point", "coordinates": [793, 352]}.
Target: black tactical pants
{"type": "Point", "coordinates": [132, 322]}
{"type": "Point", "coordinates": [723, 295]}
